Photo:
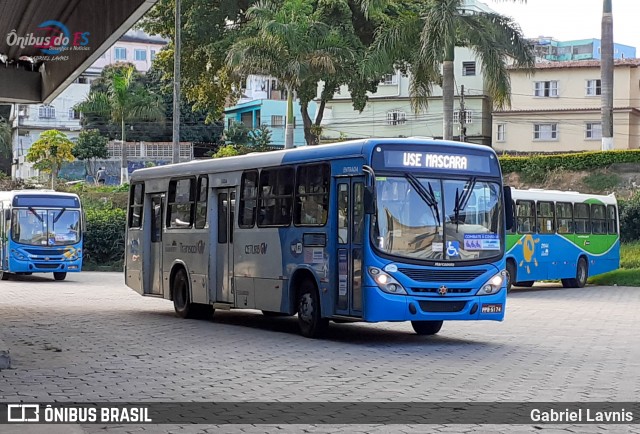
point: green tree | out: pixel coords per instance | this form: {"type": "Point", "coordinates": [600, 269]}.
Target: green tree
{"type": "Point", "coordinates": [5, 138]}
{"type": "Point", "coordinates": [49, 152]}
{"type": "Point", "coordinates": [90, 146]}
{"type": "Point", "coordinates": [287, 41]}
{"type": "Point", "coordinates": [124, 100]}
{"type": "Point", "coordinates": [260, 138]}
{"type": "Point", "coordinates": [423, 40]}
{"type": "Point", "coordinates": [237, 134]}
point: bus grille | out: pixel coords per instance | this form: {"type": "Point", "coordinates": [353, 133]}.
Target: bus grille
{"type": "Point", "coordinates": [449, 290]}
{"type": "Point", "coordinates": [442, 306]}
{"type": "Point", "coordinates": [451, 275]}
{"type": "Point", "coordinates": [46, 266]}
{"type": "Point", "coordinates": [44, 252]}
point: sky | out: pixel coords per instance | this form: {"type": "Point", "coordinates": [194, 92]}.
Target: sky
{"type": "Point", "coordinates": [567, 20]}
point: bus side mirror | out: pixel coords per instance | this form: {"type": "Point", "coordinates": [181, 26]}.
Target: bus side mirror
{"type": "Point", "coordinates": [508, 207]}
{"type": "Point", "coordinates": [369, 201]}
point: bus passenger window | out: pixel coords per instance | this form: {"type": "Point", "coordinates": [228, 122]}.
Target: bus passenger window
{"type": "Point", "coordinates": [582, 218]}
{"type": "Point", "coordinates": [612, 220]}
{"type": "Point", "coordinates": [564, 212]}
{"type": "Point", "coordinates": [343, 213]}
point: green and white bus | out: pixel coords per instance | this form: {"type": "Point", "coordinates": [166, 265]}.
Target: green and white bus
{"type": "Point", "coordinates": [562, 235]}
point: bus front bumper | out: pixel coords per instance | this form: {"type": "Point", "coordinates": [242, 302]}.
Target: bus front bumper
{"type": "Point", "coordinates": [380, 306]}
{"type": "Point", "coordinates": [38, 266]}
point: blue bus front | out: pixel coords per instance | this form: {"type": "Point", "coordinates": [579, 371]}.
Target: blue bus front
{"type": "Point", "coordinates": [44, 236]}
{"type": "Point", "coordinates": [435, 249]}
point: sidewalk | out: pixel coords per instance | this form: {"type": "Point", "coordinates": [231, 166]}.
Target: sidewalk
{"type": "Point", "coordinates": [41, 429]}
{"type": "Point", "coordinates": [5, 358]}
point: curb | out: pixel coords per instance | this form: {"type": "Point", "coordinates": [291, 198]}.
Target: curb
{"type": "Point", "coordinates": [5, 358]}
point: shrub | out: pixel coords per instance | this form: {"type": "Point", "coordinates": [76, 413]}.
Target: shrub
{"type": "Point", "coordinates": [104, 240]}
{"type": "Point", "coordinates": [601, 181]}
{"type": "Point", "coordinates": [630, 219]}
{"type": "Point", "coordinates": [538, 165]}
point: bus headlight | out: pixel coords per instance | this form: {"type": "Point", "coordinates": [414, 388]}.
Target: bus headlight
{"type": "Point", "coordinates": [385, 282]}
{"type": "Point", "coordinates": [18, 255]}
{"type": "Point", "coordinates": [494, 284]}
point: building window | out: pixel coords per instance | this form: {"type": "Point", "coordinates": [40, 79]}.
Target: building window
{"type": "Point", "coordinates": [140, 54]}
{"type": "Point", "coordinates": [74, 114]}
{"type": "Point", "coordinates": [501, 129]}
{"type": "Point", "coordinates": [468, 68]}
{"type": "Point", "coordinates": [277, 121]}
{"type": "Point", "coordinates": [594, 88]}
{"type": "Point", "coordinates": [23, 111]}
{"type": "Point", "coordinates": [153, 54]}
{"type": "Point", "coordinates": [121, 53]}
{"type": "Point", "coordinates": [545, 131]}
{"type": "Point", "coordinates": [546, 88]}
{"type": "Point", "coordinates": [593, 131]}
{"type": "Point", "coordinates": [396, 117]}
{"type": "Point", "coordinates": [468, 117]}
{"type": "Point", "coordinates": [389, 79]}
{"type": "Point", "coordinates": [46, 111]}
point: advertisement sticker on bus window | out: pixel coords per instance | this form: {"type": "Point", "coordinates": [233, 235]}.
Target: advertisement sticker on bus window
{"type": "Point", "coordinates": [481, 242]}
{"type": "Point", "coordinates": [437, 247]}
{"type": "Point", "coordinates": [342, 272]}
{"type": "Point", "coordinates": [453, 248]}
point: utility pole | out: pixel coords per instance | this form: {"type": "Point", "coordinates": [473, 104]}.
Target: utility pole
{"type": "Point", "coordinates": [176, 87]}
{"type": "Point", "coordinates": [463, 115]}
{"type": "Point", "coordinates": [606, 76]}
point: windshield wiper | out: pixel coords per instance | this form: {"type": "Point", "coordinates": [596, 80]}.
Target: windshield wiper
{"type": "Point", "coordinates": [463, 199]}
{"type": "Point", "coordinates": [427, 195]}
{"type": "Point", "coordinates": [55, 220]}
{"type": "Point", "coordinates": [33, 211]}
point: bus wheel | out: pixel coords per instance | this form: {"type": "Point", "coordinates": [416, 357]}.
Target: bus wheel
{"type": "Point", "coordinates": [4, 275]}
{"type": "Point", "coordinates": [311, 323]}
{"type": "Point", "coordinates": [180, 289]}
{"type": "Point", "coordinates": [582, 274]}
{"type": "Point", "coordinates": [425, 328]}
{"type": "Point", "coordinates": [511, 274]}
{"type": "Point", "coordinates": [60, 275]}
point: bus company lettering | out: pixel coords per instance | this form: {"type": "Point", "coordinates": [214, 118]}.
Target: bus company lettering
{"type": "Point", "coordinates": [351, 169]}
{"type": "Point", "coordinates": [255, 249]}
{"type": "Point", "coordinates": [434, 161]}
{"type": "Point", "coordinates": [193, 248]}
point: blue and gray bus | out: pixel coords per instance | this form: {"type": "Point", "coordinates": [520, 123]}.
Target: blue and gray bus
{"type": "Point", "coordinates": [367, 230]}
{"type": "Point", "coordinates": [41, 232]}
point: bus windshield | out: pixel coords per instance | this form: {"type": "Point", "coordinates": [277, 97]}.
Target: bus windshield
{"type": "Point", "coordinates": [438, 219]}
{"type": "Point", "coordinates": [45, 227]}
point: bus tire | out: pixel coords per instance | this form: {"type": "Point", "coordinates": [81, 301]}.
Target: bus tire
{"type": "Point", "coordinates": [525, 284]}
{"type": "Point", "coordinates": [180, 294]}
{"type": "Point", "coordinates": [582, 274]}
{"type": "Point", "coordinates": [4, 275]}
{"type": "Point", "coordinates": [59, 275]}
{"type": "Point", "coordinates": [310, 320]}
{"type": "Point", "coordinates": [511, 274]}
{"type": "Point", "coordinates": [426, 328]}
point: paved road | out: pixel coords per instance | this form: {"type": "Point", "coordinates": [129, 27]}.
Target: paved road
{"type": "Point", "coordinates": [90, 338]}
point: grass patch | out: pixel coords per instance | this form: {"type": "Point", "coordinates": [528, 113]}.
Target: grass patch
{"type": "Point", "coordinates": [621, 277]}
{"type": "Point", "coordinates": [630, 255]}
{"type": "Point", "coordinates": [601, 181]}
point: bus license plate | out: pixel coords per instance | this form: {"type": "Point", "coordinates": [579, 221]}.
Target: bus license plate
{"type": "Point", "coordinates": [491, 308]}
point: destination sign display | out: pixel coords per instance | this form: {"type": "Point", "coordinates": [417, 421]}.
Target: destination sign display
{"type": "Point", "coordinates": [438, 161]}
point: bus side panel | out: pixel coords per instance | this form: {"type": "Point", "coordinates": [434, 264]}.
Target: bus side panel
{"type": "Point", "coordinates": [259, 276]}
{"type": "Point", "coordinates": [189, 247]}
{"type": "Point", "coordinates": [133, 260]}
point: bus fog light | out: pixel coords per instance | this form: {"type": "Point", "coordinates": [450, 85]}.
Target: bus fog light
{"type": "Point", "coordinates": [18, 255]}
{"type": "Point", "coordinates": [386, 282]}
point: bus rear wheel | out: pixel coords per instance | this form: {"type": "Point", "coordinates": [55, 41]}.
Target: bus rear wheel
{"type": "Point", "coordinates": [511, 274]}
{"type": "Point", "coordinates": [426, 328]}
{"type": "Point", "coordinates": [310, 320]}
{"type": "Point", "coordinates": [180, 295]}
{"type": "Point", "coordinates": [582, 274]}
{"type": "Point", "coordinates": [60, 275]}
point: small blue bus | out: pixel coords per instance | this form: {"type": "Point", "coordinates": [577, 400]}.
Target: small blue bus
{"type": "Point", "coordinates": [367, 230]}
{"type": "Point", "coordinates": [41, 232]}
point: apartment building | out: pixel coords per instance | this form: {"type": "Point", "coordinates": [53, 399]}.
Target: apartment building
{"type": "Point", "coordinates": [557, 108]}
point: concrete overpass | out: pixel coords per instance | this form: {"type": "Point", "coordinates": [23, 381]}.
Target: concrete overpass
{"type": "Point", "coordinates": [46, 44]}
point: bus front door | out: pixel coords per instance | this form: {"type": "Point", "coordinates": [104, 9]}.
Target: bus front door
{"type": "Point", "coordinates": [350, 239]}
{"type": "Point", "coordinates": [224, 248]}
{"type": "Point", "coordinates": [153, 285]}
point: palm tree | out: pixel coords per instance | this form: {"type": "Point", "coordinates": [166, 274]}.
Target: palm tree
{"type": "Point", "coordinates": [289, 44]}
{"type": "Point", "coordinates": [606, 77]}
{"type": "Point", "coordinates": [125, 100]}
{"type": "Point", "coordinates": [425, 38]}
